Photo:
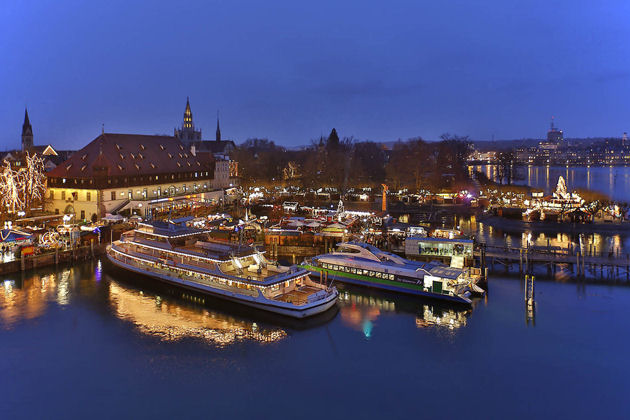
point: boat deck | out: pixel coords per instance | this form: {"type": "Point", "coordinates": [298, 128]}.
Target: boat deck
{"type": "Point", "coordinates": [298, 296]}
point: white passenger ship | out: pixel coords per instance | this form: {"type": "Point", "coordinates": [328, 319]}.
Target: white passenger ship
{"type": "Point", "coordinates": [365, 265]}
{"type": "Point", "coordinates": [185, 257]}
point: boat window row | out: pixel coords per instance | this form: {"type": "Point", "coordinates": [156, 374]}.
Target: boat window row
{"type": "Point", "coordinates": [359, 271]}
{"type": "Point", "coordinates": [190, 274]}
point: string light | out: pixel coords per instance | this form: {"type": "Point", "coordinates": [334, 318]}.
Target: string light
{"type": "Point", "coordinates": [19, 188]}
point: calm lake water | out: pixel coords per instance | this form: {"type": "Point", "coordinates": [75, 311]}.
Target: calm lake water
{"type": "Point", "coordinates": [90, 341]}
{"type": "Point", "coordinates": [612, 181]}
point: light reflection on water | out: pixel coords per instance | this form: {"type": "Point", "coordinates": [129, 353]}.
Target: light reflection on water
{"type": "Point", "coordinates": [27, 299]}
{"type": "Point", "coordinates": [597, 243]}
{"type": "Point", "coordinates": [361, 312]}
{"type": "Point", "coordinates": [169, 318]}
{"type": "Point", "coordinates": [31, 296]}
{"type": "Point", "coordinates": [612, 181]}
{"type": "Point", "coordinates": [170, 321]}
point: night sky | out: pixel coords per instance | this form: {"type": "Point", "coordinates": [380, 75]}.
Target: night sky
{"type": "Point", "coordinates": [291, 70]}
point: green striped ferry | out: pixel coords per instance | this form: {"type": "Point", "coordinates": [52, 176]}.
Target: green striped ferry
{"type": "Point", "coordinates": [365, 265]}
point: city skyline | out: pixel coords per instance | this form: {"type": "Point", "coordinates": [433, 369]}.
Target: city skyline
{"type": "Point", "coordinates": [292, 73]}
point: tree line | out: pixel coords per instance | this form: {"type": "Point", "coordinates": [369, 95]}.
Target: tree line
{"type": "Point", "coordinates": [345, 163]}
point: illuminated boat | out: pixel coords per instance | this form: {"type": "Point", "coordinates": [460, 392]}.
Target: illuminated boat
{"type": "Point", "coordinates": [185, 257]}
{"type": "Point", "coordinates": [365, 265]}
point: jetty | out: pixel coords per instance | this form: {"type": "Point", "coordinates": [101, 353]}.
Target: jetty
{"type": "Point", "coordinates": [579, 261]}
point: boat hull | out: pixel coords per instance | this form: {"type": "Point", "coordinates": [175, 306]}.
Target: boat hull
{"type": "Point", "coordinates": [393, 288]}
{"type": "Point", "coordinates": [260, 303]}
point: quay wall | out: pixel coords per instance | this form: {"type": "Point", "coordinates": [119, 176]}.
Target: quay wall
{"type": "Point", "coordinates": [29, 262]}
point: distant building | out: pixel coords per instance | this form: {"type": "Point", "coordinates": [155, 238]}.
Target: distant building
{"type": "Point", "coordinates": [117, 172]}
{"type": "Point", "coordinates": [226, 170]}
{"type": "Point", "coordinates": [554, 135]}
{"type": "Point", "coordinates": [17, 158]}
{"type": "Point", "coordinates": [191, 137]}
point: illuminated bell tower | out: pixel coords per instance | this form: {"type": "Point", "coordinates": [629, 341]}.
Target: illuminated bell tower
{"type": "Point", "coordinates": [27, 133]}
{"type": "Point", "coordinates": [188, 134]}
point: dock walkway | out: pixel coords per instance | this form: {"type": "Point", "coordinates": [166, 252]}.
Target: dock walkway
{"type": "Point", "coordinates": [578, 260]}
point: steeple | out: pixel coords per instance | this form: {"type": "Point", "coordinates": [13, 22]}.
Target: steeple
{"type": "Point", "coordinates": [27, 132]}
{"type": "Point", "coordinates": [188, 134]}
{"type": "Point", "coordinates": [552, 127]}
{"type": "Point", "coordinates": [188, 122]}
{"type": "Point", "coordinates": [218, 138]}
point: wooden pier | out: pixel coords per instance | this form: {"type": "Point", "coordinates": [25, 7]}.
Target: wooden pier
{"type": "Point", "coordinates": [580, 262]}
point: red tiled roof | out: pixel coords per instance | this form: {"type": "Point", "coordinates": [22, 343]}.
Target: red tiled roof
{"type": "Point", "coordinates": [130, 154]}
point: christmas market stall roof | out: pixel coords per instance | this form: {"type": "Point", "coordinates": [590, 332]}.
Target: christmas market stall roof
{"type": "Point", "coordinates": [130, 154]}
{"type": "Point", "coordinates": [9, 235]}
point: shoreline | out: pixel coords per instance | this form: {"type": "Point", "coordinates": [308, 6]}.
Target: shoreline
{"type": "Point", "coordinates": [520, 226]}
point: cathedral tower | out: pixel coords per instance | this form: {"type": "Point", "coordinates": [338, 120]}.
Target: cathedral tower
{"type": "Point", "coordinates": [27, 133]}
{"type": "Point", "coordinates": [188, 134]}
{"type": "Point", "coordinates": [218, 138]}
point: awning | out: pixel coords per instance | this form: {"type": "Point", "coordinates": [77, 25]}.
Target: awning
{"type": "Point", "coordinates": [9, 235]}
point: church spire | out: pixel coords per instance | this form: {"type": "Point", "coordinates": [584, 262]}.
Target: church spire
{"type": "Point", "coordinates": [188, 134]}
{"type": "Point", "coordinates": [27, 132]}
{"type": "Point", "coordinates": [188, 121]}
{"type": "Point", "coordinates": [218, 138]}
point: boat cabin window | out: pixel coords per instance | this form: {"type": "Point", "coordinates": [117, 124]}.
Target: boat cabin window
{"type": "Point", "coordinates": [348, 250]}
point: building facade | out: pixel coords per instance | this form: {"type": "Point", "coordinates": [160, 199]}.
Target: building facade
{"type": "Point", "coordinates": [137, 173]}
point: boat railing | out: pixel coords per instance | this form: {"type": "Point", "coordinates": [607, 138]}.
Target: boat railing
{"type": "Point", "coordinates": [171, 272]}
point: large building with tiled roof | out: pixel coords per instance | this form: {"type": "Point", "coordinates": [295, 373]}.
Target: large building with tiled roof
{"type": "Point", "coordinates": [115, 172]}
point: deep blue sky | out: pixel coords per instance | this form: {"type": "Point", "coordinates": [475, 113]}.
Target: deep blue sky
{"type": "Point", "coordinates": [292, 70]}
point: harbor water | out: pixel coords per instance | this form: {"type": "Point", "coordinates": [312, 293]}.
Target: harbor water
{"type": "Point", "coordinates": [90, 341]}
{"type": "Point", "coordinates": [613, 181]}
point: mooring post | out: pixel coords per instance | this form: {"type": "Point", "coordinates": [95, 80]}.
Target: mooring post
{"type": "Point", "coordinates": [526, 281]}
{"type": "Point", "coordinates": [520, 261]}
{"type": "Point", "coordinates": [577, 257]}
{"type": "Point", "coordinates": [527, 260]}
